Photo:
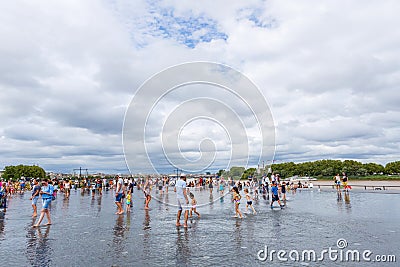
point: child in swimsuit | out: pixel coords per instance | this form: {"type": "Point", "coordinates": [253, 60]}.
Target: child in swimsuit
{"type": "Point", "coordinates": [221, 188]}
{"type": "Point", "coordinates": [128, 201]}
{"type": "Point", "coordinates": [236, 200]}
{"type": "Point", "coordinates": [249, 202]}
{"type": "Point", "coordinates": [193, 208]}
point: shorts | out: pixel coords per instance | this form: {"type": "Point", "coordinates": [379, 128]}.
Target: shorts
{"type": "Point", "coordinates": [160, 187]}
{"type": "Point", "coordinates": [250, 203]}
{"type": "Point", "coordinates": [345, 184]}
{"type": "Point", "coordinates": [182, 204]}
{"type": "Point", "coordinates": [118, 198]}
{"type": "Point", "coordinates": [128, 203]}
{"type": "Point", "coordinates": [46, 203]}
{"type": "Point", "coordinates": [275, 197]}
{"type": "Point", "coordinates": [34, 200]}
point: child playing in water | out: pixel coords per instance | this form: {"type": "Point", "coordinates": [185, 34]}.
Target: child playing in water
{"type": "Point", "coordinates": [249, 202]}
{"type": "Point", "coordinates": [236, 199]}
{"type": "Point", "coordinates": [146, 191]}
{"type": "Point", "coordinates": [221, 188]}
{"type": "Point", "coordinates": [283, 191]}
{"type": "Point", "coordinates": [193, 208]}
{"type": "Point", "coordinates": [128, 201]}
{"type": "Point", "coordinates": [275, 196]}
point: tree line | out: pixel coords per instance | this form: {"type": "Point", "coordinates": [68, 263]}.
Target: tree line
{"type": "Point", "coordinates": [317, 168]}
{"type": "Point", "coordinates": [333, 167]}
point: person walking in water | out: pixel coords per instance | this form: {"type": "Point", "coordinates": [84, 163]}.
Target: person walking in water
{"type": "Point", "coordinates": [283, 191]}
{"type": "Point", "coordinates": [345, 182]}
{"type": "Point", "coordinates": [275, 195]}
{"type": "Point", "coordinates": [210, 185]}
{"type": "Point", "coordinates": [118, 195]}
{"type": "Point", "coordinates": [35, 196]}
{"type": "Point", "coordinates": [236, 199]}
{"type": "Point", "coordinates": [182, 199]}
{"type": "Point", "coordinates": [249, 201]}
{"type": "Point", "coordinates": [128, 201]}
{"type": "Point", "coordinates": [67, 188]}
{"type": "Point", "coordinates": [47, 195]}
{"type": "Point", "coordinates": [147, 194]}
{"type": "Point", "coordinates": [337, 181]}
{"type": "Point", "coordinates": [193, 208]}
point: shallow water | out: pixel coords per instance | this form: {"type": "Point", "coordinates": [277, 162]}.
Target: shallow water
{"type": "Point", "coordinates": [86, 232]}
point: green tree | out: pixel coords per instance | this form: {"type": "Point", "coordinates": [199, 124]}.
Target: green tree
{"type": "Point", "coordinates": [220, 172]}
{"type": "Point", "coordinates": [236, 172]}
{"type": "Point", "coordinates": [373, 168]}
{"type": "Point", "coordinates": [16, 172]}
{"type": "Point", "coordinates": [352, 167]}
{"type": "Point", "coordinates": [249, 172]}
{"type": "Point", "coordinates": [392, 167]}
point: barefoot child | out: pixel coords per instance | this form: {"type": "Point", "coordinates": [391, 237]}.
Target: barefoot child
{"type": "Point", "coordinates": [146, 191]}
{"type": "Point", "coordinates": [128, 201]}
{"type": "Point", "coordinates": [193, 208]}
{"type": "Point", "coordinates": [236, 200]}
{"type": "Point", "coordinates": [35, 196]}
{"type": "Point", "coordinates": [249, 202]}
{"type": "Point", "coordinates": [275, 196]}
{"type": "Point", "coordinates": [283, 191]}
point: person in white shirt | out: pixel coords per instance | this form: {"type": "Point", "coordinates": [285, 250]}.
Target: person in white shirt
{"type": "Point", "coordinates": [118, 195]}
{"type": "Point", "coordinates": [273, 178]}
{"type": "Point", "coordinates": [182, 199]}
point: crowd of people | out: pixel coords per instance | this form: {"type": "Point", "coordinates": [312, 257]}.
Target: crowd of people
{"type": "Point", "coordinates": [271, 189]}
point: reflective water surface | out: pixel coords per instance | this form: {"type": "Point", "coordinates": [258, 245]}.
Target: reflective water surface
{"type": "Point", "coordinates": [86, 232]}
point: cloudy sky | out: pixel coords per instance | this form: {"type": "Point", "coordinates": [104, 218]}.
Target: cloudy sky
{"type": "Point", "coordinates": [329, 70]}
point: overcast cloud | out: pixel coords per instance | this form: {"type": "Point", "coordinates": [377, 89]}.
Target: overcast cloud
{"type": "Point", "coordinates": [330, 71]}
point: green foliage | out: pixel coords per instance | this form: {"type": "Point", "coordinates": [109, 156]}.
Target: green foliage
{"type": "Point", "coordinates": [220, 172]}
{"type": "Point", "coordinates": [247, 173]}
{"type": "Point", "coordinates": [393, 167]}
{"type": "Point", "coordinates": [15, 172]}
{"type": "Point", "coordinates": [236, 172]}
{"type": "Point", "coordinates": [332, 167]}
{"type": "Point", "coordinates": [373, 168]}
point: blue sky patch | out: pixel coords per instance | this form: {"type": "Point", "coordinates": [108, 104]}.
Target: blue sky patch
{"type": "Point", "coordinates": [189, 30]}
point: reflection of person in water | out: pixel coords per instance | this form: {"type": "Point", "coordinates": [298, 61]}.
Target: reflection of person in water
{"type": "Point", "coordinates": [339, 196]}
{"type": "Point", "coordinates": [119, 229]}
{"type": "Point", "coordinates": [183, 253]}
{"type": "Point", "coordinates": [146, 222]}
{"type": "Point", "coordinates": [347, 198]}
{"type": "Point", "coordinates": [119, 233]}
{"type": "Point", "coordinates": [39, 250]}
{"type": "Point", "coordinates": [1, 224]}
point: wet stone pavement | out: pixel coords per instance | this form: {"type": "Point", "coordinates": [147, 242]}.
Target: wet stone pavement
{"type": "Point", "coordinates": [86, 232]}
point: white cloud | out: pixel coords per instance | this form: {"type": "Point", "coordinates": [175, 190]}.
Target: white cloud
{"type": "Point", "coordinates": [329, 70]}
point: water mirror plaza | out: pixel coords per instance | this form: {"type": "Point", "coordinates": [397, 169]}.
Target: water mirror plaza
{"type": "Point", "coordinates": [85, 231]}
